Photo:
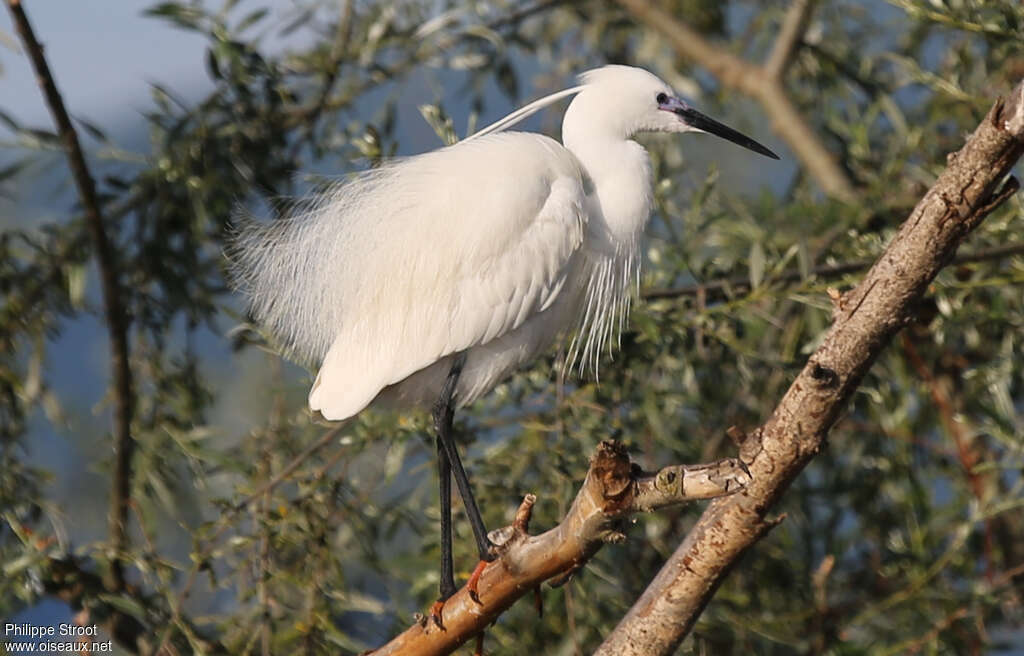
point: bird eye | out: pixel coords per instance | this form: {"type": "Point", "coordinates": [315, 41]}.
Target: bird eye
{"type": "Point", "coordinates": [661, 98]}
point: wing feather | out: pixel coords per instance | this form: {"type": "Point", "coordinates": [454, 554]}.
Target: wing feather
{"type": "Point", "coordinates": [404, 265]}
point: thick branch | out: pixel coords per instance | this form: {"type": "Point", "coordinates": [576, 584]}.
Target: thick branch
{"type": "Point", "coordinates": [612, 490]}
{"type": "Point", "coordinates": [117, 321]}
{"type": "Point", "coordinates": [764, 84]}
{"type": "Point", "coordinates": [866, 319]}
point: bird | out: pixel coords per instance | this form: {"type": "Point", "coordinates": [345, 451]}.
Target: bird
{"type": "Point", "coordinates": [427, 281]}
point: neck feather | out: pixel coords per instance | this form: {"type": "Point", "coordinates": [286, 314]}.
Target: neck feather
{"type": "Point", "coordinates": [619, 196]}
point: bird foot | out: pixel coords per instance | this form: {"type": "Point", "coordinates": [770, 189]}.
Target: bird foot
{"type": "Point", "coordinates": [474, 581]}
{"type": "Point", "coordinates": [435, 613]}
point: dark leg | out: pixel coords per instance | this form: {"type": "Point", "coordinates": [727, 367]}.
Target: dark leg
{"type": "Point", "coordinates": [447, 571]}
{"type": "Point", "coordinates": [444, 411]}
{"type": "Point", "coordinates": [447, 588]}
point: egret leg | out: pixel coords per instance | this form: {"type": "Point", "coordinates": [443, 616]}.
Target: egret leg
{"type": "Point", "coordinates": [447, 570]}
{"type": "Point", "coordinates": [444, 412]}
{"type": "Point", "coordinates": [447, 587]}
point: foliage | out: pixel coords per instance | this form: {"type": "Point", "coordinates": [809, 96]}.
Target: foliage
{"type": "Point", "coordinates": [906, 535]}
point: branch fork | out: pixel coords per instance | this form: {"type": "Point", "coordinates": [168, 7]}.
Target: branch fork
{"type": "Point", "coordinates": [614, 489]}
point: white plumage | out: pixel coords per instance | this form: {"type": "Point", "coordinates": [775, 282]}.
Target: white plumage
{"type": "Point", "coordinates": [495, 247]}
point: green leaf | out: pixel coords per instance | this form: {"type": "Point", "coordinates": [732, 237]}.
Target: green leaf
{"type": "Point", "coordinates": [212, 66]}
{"type": "Point", "coordinates": [440, 123]}
{"type": "Point", "coordinates": [9, 121]}
{"type": "Point", "coordinates": [757, 265]}
{"type": "Point", "coordinates": [92, 129]}
{"type": "Point", "coordinates": [185, 17]}
{"type": "Point", "coordinates": [21, 563]}
{"type": "Point", "coordinates": [14, 168]}
{"type": "Point", "coordinates": [42, 138]}
{"type": "Point", "coordinates": [251, 19]}
{"type": "Point", "coordinates": [125, 604]}
{"type": "Point", "coordinates": [507, 79]}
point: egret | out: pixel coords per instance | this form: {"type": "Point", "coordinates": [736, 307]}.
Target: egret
{"type": "Point", "coordinates": [432, 278]}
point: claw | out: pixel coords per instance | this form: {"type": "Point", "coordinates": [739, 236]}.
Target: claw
{"type": "Point", "coordinates": [435, 613]}
{"type": "Point", "coordinates": [474, 581]}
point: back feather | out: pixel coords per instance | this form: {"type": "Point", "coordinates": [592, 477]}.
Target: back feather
{"type": "Point", "coordinates": [286, 267]}
{"type": "Point", "coordinates": [392, 270]}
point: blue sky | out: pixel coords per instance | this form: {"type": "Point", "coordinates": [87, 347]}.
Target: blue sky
{"type": "Point", "coordinates": [103, 55]}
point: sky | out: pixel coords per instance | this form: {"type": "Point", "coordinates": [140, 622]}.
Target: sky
{"type": "Point", "coordinates": [87, 45]}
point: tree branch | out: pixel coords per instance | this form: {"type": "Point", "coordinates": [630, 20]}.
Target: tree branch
{"type": "Point", "coordinates": [280, 476]}
{"type": "Point", "coordinates": [866, 319]}
{"type": "Point", "coordinates": [763, 83]}
{"type": "Point", "coordinates": [117, 321]}
{"type": "Point", "coordinates": [794, 24]}
{"type": "Point", "coordinates": [720, 289]}
{"type": "Point", "coordinates": [613, 489]}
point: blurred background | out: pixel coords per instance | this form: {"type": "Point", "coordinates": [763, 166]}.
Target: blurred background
{"type": "Point", "coordinates": [905, 536]}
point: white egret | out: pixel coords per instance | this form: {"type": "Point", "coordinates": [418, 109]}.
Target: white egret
{"type": "Point", "coordinates": [432, 278]}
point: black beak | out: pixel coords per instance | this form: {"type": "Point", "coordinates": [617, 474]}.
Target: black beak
{"type": "Point", "coordinates": [695, 119]}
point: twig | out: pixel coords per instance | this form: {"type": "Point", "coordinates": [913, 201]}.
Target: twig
{"type": "Point", "coordinates": [1006, 576]}
{"type": "Point", "coordinates": [612, 490]}
{"type": "Point", "coordinates": [717, 290]}
{"type": "Point", "coordinates": [517, 17]}
{"type": "Point", "coordinates": [963, 440]}
{"type": "Point", "coordinates": [915, 645]}
{"type": "Point", "coordinates": [865, 322]}
{"type": "Point", "coordinates": [267, 439]}
{"type": "Point", "coordinates": [794, 24]}
{"type": "Point", "coordinates": [759, 83]}
{"type": "Point", "coordinates": [117, 321]}
{"type": "Point", "coordinates": [338, 52]}
{"type": "Point", "coordinates": [288, 469]}
{"type": "Point", "coordinates": [819, 582]}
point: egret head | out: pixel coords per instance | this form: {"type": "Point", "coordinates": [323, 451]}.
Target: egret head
{"type": "Point", "coordinates": [622, 101]}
